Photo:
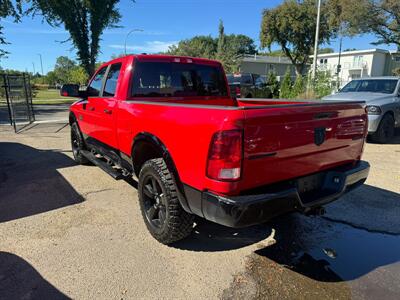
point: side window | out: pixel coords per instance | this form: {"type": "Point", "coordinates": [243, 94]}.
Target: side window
{"type": "Point", "coordinates": [94, 87]}
{"type": "Point", "coordinates": [111, 80]}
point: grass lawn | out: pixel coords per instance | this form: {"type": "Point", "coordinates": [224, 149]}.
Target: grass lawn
{"type": "Point", "coordinates": [51, 97]}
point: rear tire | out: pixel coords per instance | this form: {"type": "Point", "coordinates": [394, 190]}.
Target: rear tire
{"type": "Point", "coordinates": [77, 144]}
{"type": "Point", "coordinates": [163, 215]}
{"type": "Point", "coordinates": [385, 131]}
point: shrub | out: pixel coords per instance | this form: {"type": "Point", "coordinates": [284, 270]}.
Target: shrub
{"type": "Point", "coordinates": [322, 84]}
{"type": "Point", "coordinates": [272, 85]}
{"type": "Point", "coordinates": [299, 86]}
{"type": "Point", "coordinates": [286, 86]}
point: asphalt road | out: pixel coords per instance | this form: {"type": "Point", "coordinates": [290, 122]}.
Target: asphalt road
{"type": "Point", "coordinates": [69, 231]}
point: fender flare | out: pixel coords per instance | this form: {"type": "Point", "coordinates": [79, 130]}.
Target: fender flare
{"type": "Point", "coordinates": [165, 154]}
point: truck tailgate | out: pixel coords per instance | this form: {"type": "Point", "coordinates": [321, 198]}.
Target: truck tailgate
{"type": "Point", "coordinates": [286, 141]}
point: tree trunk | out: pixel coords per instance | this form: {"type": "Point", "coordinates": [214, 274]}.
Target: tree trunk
{"type": "Point", "coordinates": [299, 69]}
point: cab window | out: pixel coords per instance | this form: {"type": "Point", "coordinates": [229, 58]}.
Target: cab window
{"type": "Point", "coordinates": [94, 87]}
{"type": "Point", "coordinates": [111, 80]}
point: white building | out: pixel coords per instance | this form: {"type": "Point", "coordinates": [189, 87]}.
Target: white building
{"type": "Point", "coordinates": [359, 63]}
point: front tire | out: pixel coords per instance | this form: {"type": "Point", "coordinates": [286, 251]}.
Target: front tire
{"type": "Point", "coordinates": [163, 215]}
{"type": "Point", "coordinates": [77, 144]}
{"type": "Point", "coordinates": [385, 132]}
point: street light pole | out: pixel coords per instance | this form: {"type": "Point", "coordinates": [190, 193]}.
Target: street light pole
{"type": "Point", "coordinates": [131, 31]}
{"type": "Point", "coordinates": [34, 71]}
{"type": "Point", "coordinates": [314, 69]}
{"type": "Point", "coordinates": [41, 63]}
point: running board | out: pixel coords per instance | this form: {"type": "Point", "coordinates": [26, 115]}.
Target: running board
{"type": "Point", "coordinates": [114, 173]}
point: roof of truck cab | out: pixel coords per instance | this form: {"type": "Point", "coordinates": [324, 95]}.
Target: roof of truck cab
{"type": "Point", "coordinates": [162, 57]}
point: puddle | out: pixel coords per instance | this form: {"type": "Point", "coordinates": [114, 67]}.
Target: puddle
{"type": "Point", "coordinates": [330, 252]}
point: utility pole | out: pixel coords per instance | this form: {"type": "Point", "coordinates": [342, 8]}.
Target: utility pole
{"type": "Point", "coordinates": [339, 67]}
{"type": "Point", "coordinates": [314, 69]}
{"type": "Point", "coordinates": [133, 30]}
{"type": "Point", "coordinates": [34, 71]}
{"type": "Point", "coordinates": [41, 66]}
{"type": "Point", "coordinates": [41, 63]}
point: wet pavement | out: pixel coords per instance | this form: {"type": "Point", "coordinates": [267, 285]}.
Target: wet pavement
{"type": "Point", "coordinates": [320, 258]}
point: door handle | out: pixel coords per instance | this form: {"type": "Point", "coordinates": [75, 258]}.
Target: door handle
{"type": "Point", "coordinates": [108, 111]}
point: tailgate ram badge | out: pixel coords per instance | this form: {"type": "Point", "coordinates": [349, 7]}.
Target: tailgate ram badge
{"type": "Point", "coordinates": [319, 135]}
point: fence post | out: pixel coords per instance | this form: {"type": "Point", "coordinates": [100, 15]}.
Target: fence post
{"type": "Point", "coordinates": [7, 98]}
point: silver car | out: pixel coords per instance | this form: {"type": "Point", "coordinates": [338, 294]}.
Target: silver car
{"type": "Point", "coordinates": [382, 96]}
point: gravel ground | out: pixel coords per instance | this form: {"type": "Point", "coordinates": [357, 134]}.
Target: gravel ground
{"type": "Point", "coordinates": [69, 231]}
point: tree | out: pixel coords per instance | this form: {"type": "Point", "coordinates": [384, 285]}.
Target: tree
{"type": "Point", "coordinates": [286, 86]}
{"type": "Point", "coordinates": [396, 72]}
{"type": "Point", "coordinates": [292, 25]}
{"type": "Point", "coordinates": [8, 9]}
{"type": "Point", "coordinates": [272, 85]}
{"type": "Point", "coordinates": [62, 69]}
{"type": "Point", "coordinates": [78, 75]}
{"type": "Point", "coordinates": [198, 46]}
{"type": "Point", "coordinates": [379, 17]}
{"type": "Point", "coordinates": [298, 86]}
{"type": "Point", "coordinates": [221, 46]}
{"type": "Point", "coordinates": [226, 48]}
{"type": "Point", "coordinates": [85, 20]}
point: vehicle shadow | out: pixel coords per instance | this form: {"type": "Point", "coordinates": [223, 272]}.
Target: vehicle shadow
{"type": "Point", "coordinates": [327, 250]}
{"type": "Point", "coordinates": [30, 183]}
{"type": "Point", "coordinates": [211, 237]}
{"type": "Point", "coordinates": [19, 280]}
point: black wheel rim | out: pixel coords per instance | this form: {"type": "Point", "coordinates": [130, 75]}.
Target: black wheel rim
{"type": "Point", "coordinates": [75, 142]}
{"type": "Point", "coordinates": [154, 202]}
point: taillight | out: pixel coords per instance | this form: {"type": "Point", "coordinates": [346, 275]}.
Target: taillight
{"type": "Point", "coordinates": [238, 92]}
{"type": "Point", "coordinates": [225, 155]}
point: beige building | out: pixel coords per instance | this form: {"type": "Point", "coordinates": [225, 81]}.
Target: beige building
{"type": "Point", "coordinates": [359, 63]}
{"type": "Point", "coordinates": [263, 65]}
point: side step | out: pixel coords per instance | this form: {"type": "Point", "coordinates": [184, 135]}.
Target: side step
{"type": "Point", "coordinates": [114, 173]}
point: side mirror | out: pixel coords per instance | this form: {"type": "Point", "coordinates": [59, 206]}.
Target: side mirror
{"type": "Point", "coordinates": [70, 90]}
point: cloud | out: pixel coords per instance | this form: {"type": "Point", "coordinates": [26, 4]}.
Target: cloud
{"type": "Point", "coordinates": [148, 47]}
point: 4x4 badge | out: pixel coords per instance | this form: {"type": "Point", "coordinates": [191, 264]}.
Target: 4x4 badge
{"type": "Point", "coordinates": [319, 135]}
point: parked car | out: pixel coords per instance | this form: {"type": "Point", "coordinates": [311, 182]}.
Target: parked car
{"type": "Point", "coordinates": [246, 85]}
{"type": "Point", "coordinates": [382, 95]}
{"type": "Point", "coordinates": [171, 122]}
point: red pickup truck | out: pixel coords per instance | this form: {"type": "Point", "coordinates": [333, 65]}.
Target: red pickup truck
{"type": "Point", "coordinates": [196, 151]}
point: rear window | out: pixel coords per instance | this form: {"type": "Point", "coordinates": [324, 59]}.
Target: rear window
{"type": "Point", "coordinates": [165, 79]}
{"type": "Point", "coordinates": [386, 86]}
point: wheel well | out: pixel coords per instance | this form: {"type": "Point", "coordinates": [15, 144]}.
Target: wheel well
{"type": "Point", "coordinates": [142, 151]}
{"type": "Point", "coordinates": [389, 113]}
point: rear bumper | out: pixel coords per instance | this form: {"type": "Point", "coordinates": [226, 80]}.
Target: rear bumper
{"type": "Point", "coordinates": [250, 209]}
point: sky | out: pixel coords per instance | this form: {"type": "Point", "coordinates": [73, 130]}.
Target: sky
{"type": "Point", "coordinates": [164, 23]}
